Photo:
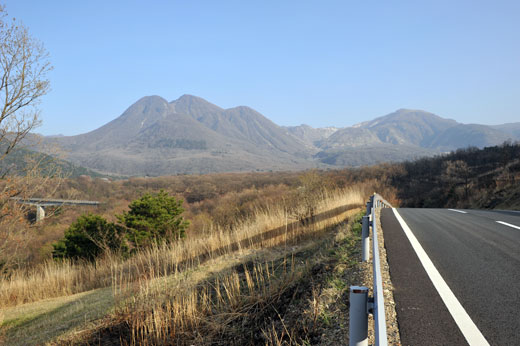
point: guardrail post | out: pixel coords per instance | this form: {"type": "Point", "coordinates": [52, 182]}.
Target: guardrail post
{"type": "Point", "coordinates": [358, 325]}
{"type": "Point", "coordinates": [365, 235]}
{"type": "Point", "coordinates": [360, 306]}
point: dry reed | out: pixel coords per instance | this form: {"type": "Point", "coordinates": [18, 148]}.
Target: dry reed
{"type": "Point", "coordinates": [272, 226]}
{"type": "Point", "coordinates": [183, 314]}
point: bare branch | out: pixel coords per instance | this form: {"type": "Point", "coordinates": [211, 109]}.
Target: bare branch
{"type": "Point", "coordinates": [24, 66]}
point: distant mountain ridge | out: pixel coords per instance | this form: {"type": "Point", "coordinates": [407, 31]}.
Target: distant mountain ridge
{"type": "Point", "coordinates": [188, 135]}
{"type": "Point", "coordinates": [240, 122]}
{"type": "Point", "coordinates": [191, 135]}
{"type": "Point", "coordinates": [419, 128]}
{"type": "Point", "coordinates": [309, 135]}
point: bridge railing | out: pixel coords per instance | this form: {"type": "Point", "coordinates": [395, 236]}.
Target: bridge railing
{"type": "Point", "coordinates": [52, 202]}
{"type": "Point", "coordinates": [40, 203]}
{"type": "Point", "coordinates": [360, 303]}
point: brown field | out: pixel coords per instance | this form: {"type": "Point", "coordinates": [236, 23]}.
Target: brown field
{"type": "Point", "coordinates": [253, 240]}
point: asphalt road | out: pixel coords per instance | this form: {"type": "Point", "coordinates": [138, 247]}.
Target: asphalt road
{"type": "Point", "coordinates": [478, 258]}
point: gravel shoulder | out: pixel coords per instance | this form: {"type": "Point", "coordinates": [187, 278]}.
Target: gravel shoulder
{"type": "Point", "coordinates": [392, 327]}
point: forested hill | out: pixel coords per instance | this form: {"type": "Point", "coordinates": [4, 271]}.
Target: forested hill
{"type": "Point", "coordinates": [466, 178]}
{"type": "Point", "coordinates": [22, 161]}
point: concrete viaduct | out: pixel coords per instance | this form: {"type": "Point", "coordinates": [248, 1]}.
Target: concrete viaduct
{"type": "Point", "coordinates": [40, 203]}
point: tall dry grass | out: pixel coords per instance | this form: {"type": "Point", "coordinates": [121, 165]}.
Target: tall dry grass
{"type": "Point", "coordinates": [271, 226]}
{"type": "Point", "coordinates": [183, 314]}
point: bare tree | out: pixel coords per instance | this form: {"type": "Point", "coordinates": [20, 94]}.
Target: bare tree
{"type": "Point", "coordinates": [458, 173]}
{"type": "Point", "coordinates": [25, 64]}
{"type": "Point", "coordinates": [23, 81]}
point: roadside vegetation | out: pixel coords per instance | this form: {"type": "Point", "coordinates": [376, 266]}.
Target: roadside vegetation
{"type": "Point", "coordinates": [214, 284]}
{"type": "Point", "coordinates": [150, 220]}
{"type": "Point", "coordinates": [265, 258]}
{"type": "Point", "coordinates": [486, 178]}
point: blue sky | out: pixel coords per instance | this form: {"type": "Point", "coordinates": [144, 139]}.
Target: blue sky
{"type": "Point", "coordinates": [323, 63]}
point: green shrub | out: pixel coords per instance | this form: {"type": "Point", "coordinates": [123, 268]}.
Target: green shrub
{"type": "Point", "coordinates": [154, 218]}
{"type": "Point", "coordinates": [151, 219]}
{"type": "Point", "coordinates": [88, 237]}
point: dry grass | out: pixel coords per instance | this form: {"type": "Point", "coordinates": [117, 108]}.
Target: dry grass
{"type": "Point", "coordinates": [183, 314]}
{"type": "Point", "coordinates": [247, 304]}
{"type": "Point", "coordinates": [37, 323]}
{"type": "Point", "coordinates": [267, 228]}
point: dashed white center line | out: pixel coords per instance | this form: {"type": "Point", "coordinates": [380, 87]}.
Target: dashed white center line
{"type": "Point", "coordinates": [508, 224]}
{"type": "Point", "coordinates": [470, 331]}
{"type": "Point", "coordinates": [459, 211]}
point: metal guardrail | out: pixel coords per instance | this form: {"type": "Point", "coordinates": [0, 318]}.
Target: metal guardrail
{"type": "Point", "coordinates": [360, 304]}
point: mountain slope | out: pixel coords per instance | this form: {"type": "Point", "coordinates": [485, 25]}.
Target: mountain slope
{"type": "Point", "coordinates": [464, 135]}
{"type": "Point", "coordinates": [242, 123]}
{"type": "Point", "coordinates": [350, 137]}
{"type": "Point", "coordinates": [117, 132]}
{"type": "Point", "coordinates": [512, 129]}
{"type": "Point", "coordinates": [154, 137]}
{"type": "Point", "coordinates": [310, 135]}
{"type": "Point", "coordinates": [191, 135]}
{"type": "Point", "coordinates": [372, 154]}
{"type": "Point", "coordinates": [405, 126]}
{"type": "Point", "coordinates": [415, 128]}
{"type": "Point", "coordinates": [23, 160]}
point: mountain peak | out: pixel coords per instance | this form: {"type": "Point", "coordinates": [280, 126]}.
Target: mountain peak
{"type": "Point", "coordinates": [411, 112]}
{"type": "Point", "coordinates": [242, 110]}
{"type": "Point", "coordinates": [192, 100]}
{"type": "Point", "coordinates": [404, 114]}
{"type": "Point", "coordinates": [189, 98]}
{"type": "Point", "coordinates": [194, 106]}
{"type": "Point", "coordinates": [408, 110]}
{"type": "Point", "coordinates": [151, 100]}
{"type": "Point", "coordinates": [146, 105]}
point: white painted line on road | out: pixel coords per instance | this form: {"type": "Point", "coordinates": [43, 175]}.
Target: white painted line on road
{"type": "Point", "coordinates": [508, 224]}
{"type": "Point", "coordinates": [467, 327]}
{"type": "Point", "coordinates": [459, 211]}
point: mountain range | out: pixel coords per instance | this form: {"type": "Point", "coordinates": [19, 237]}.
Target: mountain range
{"type": "Point", "coordinates": [191, 135]}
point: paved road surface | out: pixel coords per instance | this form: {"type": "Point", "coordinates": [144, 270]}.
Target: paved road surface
{"type": "Point", "coordinates": [478, 258]}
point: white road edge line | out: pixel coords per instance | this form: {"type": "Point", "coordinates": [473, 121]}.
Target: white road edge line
{"type": "Point", "coordinates": [467, 327]}
{"type": "Point", "coordinates": [459, 211]}
{"type": "Point", "coordinates": [508, 224]}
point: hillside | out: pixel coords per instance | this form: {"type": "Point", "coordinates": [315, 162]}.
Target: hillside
{"type": "Point", "coordinates": [22, 161]}
{"type": "Point", "coordinates": [512, 129]}
{"type": "Point", "coordinates": [416, 128]}
{"type": "Point", "coordinates": [405, 135]}
{"type": "Point", "coordinates": [485, 178]}
{"type": "Point", "coordinates": [310, 135]}
{"type": "Point", "coordinates": [268, 259]}
{"type": "Point", "coordinates": [285, 254]}
{"type": "Point", "coordinates": [360, 155]}
{"type": "Point", "coordinates": [189, 135]}
{"type": "Point", "coordinates": [240, 123]}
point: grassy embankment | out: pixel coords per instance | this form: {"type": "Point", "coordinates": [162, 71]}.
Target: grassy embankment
{"type": "Point", "coordinates": [235, 285]}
